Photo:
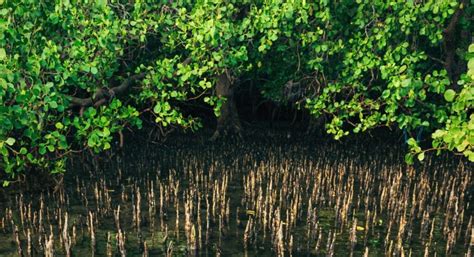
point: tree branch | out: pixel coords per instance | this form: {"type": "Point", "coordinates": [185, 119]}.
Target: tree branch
{"type": "Point", "coordinates": [101, 94]}
{"type": "Point", "coordinates": [450, 42]}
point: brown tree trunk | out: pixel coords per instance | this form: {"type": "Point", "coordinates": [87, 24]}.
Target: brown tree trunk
{"type": "Point", "coordinates": [453, 65]}
{"type": "Point", "coordinates": [228, 121]}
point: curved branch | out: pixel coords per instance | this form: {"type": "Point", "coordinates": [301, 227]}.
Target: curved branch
{"type": "Point", "coordinates": [103, 95]}
{"type": "Point", "coordinates": [100, 96]}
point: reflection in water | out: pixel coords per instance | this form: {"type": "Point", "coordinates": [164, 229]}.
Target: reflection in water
{"type": "Point", "coordinates": [264, 196]}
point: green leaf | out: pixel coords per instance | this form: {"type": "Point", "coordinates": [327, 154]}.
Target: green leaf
{"type": "Point", "coordinates": [409, 158]}
{"type": "Point", "coordinates": [53, 104]}
{"type": "Point", "coordinates": [10, 141]}
{"type": "Point", "coordinates": [470, 64]}
{"type": "Point", "coordinates": [106, 132]}
{"type": "Point", "coordinates": [421, 156]}
{"type": "Point", "coordinates": [438, 133]}
{"type": "Point", "coordinates": [157, 108]}
{"type": "Point", "coordinates": [63, 144]}
{"type": "Point", "coordinates": [470, 155]}
{"type": "Point", "coordinates": [59, 125]}
{"type": "Point", "coordinates": [50, 148]}
{"type": "Point", "coordinates": [449, 95]}
{"type": "Point", "coordinates": [91, 142]}
{"type": "Point", "coordinates": [471, 48]}
{"type": "Point", "coordinates": [3, 54]}
{"type": "Point", "coordinates": [411, 142]}
{"type": "Point", "coordinates": [402, 68]}
{"type": "Point", "coordinates": [102, 3]}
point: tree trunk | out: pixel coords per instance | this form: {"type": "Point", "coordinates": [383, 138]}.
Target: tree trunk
{"type": "Point", "coordinates": [228, 121]}
{"type": "Point", "coordinates": [316, 125]}
{"type": "Point", "coordinates": [454, 65]}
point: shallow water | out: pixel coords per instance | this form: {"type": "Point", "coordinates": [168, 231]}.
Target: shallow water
{"type": "Point", "coordinates": [302, 196]}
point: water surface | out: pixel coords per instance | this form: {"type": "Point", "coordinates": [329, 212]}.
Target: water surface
{"type": "Point", "coordinates": [270, 194]}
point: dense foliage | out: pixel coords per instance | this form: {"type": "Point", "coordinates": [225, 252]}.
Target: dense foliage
{"type": "Point", "coordinates": [74, 74]}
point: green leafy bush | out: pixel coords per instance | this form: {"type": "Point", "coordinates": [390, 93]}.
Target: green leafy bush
{"type": "Point", "coordinates": [73, 74]}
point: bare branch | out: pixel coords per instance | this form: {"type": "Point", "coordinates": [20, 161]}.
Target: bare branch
{"type": "Point", "coordinates": [100, 95]}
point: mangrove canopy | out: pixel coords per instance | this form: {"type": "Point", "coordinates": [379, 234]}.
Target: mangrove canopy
{"type": "Point", "coordinates": [75, 74]}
